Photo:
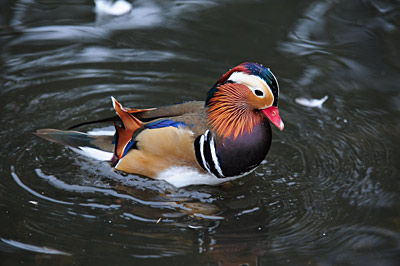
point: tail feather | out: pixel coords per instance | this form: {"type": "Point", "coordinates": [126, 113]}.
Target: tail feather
{"type": "Point", "coordinates": [102, 147]}
{"type": "Point", "coordinates": [95, 146]}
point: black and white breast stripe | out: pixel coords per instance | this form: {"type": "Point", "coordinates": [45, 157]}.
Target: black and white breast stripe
{"type": "Point", "coordinates": [206, 154]}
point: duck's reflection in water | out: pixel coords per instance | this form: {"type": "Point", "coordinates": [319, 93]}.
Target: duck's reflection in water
{"type": "Point", "coordinates": [227, 231]}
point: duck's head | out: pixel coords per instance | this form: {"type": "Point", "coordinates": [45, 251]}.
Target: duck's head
{"type": "Point", "coordinates": [246, 90]}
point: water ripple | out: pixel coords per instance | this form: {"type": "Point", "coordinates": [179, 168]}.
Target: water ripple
{"type": "Point", "coordinates": [325, 194]}
{"type": "Point", "coordinates": [33, 248]}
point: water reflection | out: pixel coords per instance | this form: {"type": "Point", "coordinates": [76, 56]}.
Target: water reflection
{"type": "Point", "coordinates": [326, 194]}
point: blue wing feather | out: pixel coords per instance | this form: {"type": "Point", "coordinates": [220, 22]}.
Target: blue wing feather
{"type": "Point", "coordinates": [129, 146]}
{"type": "Point", "coordinates": [165, 123]}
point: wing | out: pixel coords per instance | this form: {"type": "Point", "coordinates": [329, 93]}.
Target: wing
{"type": "Point", "coordinates": [151, 141]}
{"type": "Point", "coordinates": [188, 114]}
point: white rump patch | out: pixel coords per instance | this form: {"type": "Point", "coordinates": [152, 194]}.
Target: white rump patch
{"type": "Point", "coordinates": [94, 153]}
{"type": "Point", "coordinates": [107, 131]}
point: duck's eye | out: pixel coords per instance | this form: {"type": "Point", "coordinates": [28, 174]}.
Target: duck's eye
{"type": "Point", "coordinates": [259, 93]}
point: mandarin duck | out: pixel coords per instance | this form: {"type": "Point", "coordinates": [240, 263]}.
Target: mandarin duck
{"type": "Point", "coordinates": [197, 142]}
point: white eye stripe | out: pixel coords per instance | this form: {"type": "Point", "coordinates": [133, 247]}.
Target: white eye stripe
{"type": "Point", "coordinates": [251, 81]}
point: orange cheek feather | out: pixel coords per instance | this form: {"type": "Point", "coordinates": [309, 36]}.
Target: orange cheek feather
{"type": "Point", "coordinates": [231, 110]}
{"type": "Point", "coordinates": [260, 103]}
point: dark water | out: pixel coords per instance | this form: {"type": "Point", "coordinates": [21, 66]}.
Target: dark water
{"type": "Point", "coordinates": [328, 193]}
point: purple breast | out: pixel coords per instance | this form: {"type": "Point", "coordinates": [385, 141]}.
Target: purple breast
{"type": "Point", "coordinates": [240, 155]}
